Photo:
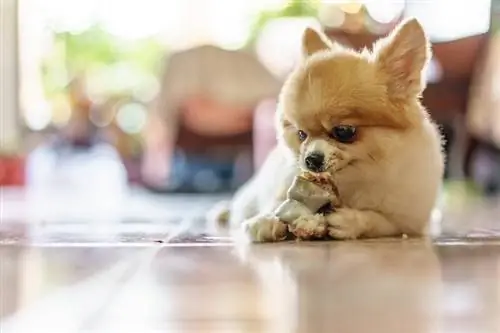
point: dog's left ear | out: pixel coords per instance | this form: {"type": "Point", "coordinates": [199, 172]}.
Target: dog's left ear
{"type": "Point", "coordinates": [314, 41]}
{"type": "Point", "coordinates": [402, 58]}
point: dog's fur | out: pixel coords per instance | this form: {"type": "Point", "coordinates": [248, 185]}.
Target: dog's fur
{"type": "Point", "coordinates": [389, 178]}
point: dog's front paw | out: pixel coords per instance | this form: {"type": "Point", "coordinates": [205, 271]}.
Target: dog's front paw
{"type": "Point", "coordinates": [344, 224]}
{"type": "Point", "coordinates": [309, 227]}
{"type": "Point", "coordinates": [265, 228]}
{"type": "Point", "coordinates": [219, 214]}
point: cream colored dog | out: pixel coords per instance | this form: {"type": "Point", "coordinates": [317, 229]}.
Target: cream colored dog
{"type": "Point", "coordinates": [356, 118]}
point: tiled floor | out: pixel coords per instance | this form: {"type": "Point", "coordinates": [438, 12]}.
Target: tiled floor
{"type": "Point", "coordinates": [154, 272]}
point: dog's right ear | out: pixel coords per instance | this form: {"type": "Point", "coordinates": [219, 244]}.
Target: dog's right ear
{"type": "Point", "coordinates": [314, 41]}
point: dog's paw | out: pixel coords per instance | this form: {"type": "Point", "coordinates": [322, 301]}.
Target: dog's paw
{"type": "Point", "coordinates": [266, 228]}
{"type": "Point", "coordinates": [219, 214]}
{"type": "Point", "coordinates": [344, 224]}
{"type": "Point", "coordinates": [309, 227]}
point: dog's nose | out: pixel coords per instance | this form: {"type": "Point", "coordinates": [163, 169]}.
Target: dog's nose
{"type": "Point", "coordinates": [314, 161]}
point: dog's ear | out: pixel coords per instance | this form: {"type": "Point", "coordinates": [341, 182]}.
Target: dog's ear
{"type": "Point", "coordinates": [314, 41]}
{"type": "Point", "coordinates": [402, 58]}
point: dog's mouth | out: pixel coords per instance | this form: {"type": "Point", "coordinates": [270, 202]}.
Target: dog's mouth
{"type": "Point", "coordinates": [322, 175]}
{"type": "Point", "coordinates": [334, 169]}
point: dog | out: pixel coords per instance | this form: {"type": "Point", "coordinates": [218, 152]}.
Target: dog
{"type": "Point", "coordinates": [356, 118]}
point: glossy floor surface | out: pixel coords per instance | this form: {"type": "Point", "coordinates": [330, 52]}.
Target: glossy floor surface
{"type": "Point", "coordinates": [100, 273]}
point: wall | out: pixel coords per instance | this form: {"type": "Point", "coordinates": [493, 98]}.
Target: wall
{"type": "Point", "coordinates": [9, 98]}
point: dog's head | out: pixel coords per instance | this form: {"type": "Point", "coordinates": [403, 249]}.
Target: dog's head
{"type": "Point", "coordinates": [341, 108]}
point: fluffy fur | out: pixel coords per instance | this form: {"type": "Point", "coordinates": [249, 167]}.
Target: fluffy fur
{"type": "Point", "coordinates": [390, 176]}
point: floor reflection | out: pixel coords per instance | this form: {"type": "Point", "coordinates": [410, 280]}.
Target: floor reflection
{"type": "Point", "coordinates": [57, 289]}
{"type": "Point", "coordinates": [355, 287]}
{"type": "Point", "coordinates": [383, 286]}
{"type": "Point", "coordinates": [172, 275]}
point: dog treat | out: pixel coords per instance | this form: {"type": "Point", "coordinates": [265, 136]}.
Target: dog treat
{"type": "Point", "coordinates": [290, 210]}
{"type": "Point", "coordinates": [326, 184]}
{"type": "Point", "coordinates": [308, 195]}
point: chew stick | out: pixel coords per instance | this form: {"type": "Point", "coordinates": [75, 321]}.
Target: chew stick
{"type": "Point", "coordinates": [308, 195]}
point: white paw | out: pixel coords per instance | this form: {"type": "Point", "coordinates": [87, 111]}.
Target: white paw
{"type": "Point", "coordinates": [309, 227]}
{"type": "Point", "coordinates": [267, 228]}
{"type": "Point", "coordinates": [344, 224]}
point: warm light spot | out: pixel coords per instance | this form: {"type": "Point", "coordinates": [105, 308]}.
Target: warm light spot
{"type": "Point", "coordinates": [61, 112]}
{"type": "Point", "coordinates": [330, 15]}
{"type": "Point", "coordinates": [352, 7]}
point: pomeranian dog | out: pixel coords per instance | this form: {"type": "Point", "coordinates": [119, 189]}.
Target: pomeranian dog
{"type": "Point", "coordinates": [357, 119]}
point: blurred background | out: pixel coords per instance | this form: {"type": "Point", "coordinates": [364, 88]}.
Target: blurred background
{"type": "Point", "coordinates": [100, 98]}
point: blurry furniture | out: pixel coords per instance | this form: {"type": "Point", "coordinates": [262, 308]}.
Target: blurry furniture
{"type": "Point", "coordinates": [205, 108]}
{"type": "Point", "coordinates": [484, 103]}
{"type": "Point", "coordinates": [483, 120]}
{"type": "Point", "coordinates": [12, 170]}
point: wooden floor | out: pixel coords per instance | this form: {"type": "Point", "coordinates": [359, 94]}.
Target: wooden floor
{"type": "Point", "coordinates": [156, 275]}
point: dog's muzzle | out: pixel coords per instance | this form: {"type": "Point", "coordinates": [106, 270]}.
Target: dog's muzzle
{"type": "Point", "coordinates": [315, 161]}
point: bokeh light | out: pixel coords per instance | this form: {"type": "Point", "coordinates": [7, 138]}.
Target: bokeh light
{"type": "Point", "coordinates": [131, 117]}
{"type": "Point", "coordinates": [279, 45]}
{"type": "Point", "coordinates": [206, 181]}
{"type": "Point", "coordinates": [38, 116]}
{"type": "Point", "coordinates": [384, 11]}
{"type": "Point", "coordinates": [102, 116]}
{"type": "Point", "coordinates": [331, 16]}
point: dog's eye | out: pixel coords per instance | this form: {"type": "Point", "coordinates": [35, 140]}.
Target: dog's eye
{"type": "Point", "coordinates": [302, 135]}
{"type": "Point", "coordinates": [344, 133]}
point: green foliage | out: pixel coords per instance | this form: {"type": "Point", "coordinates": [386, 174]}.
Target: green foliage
{"type": "Point", "coordinates": [93, 50]}
{"type": "Point", "coordinates": [89, 47]}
